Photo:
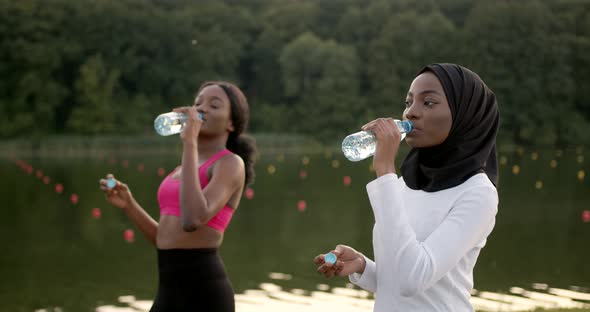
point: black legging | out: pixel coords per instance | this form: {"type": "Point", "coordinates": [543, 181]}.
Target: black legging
{"type": "Point", "coordinates": [192, 280]}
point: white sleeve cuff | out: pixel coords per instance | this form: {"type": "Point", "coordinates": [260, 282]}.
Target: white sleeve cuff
{"type": "Point", "coordinates": [368, 279]}
{"type": "Point", "coordinates": [377, 184]}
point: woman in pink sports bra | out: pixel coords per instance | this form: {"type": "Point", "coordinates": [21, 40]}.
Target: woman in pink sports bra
{"type": "Point", "coordinates": [197, 201]}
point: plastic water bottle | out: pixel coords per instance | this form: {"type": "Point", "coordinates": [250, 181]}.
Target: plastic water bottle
{"type": "Point", "coordinates": [171, 123]}
{"type": "Point", "coordinates": [362, 144]}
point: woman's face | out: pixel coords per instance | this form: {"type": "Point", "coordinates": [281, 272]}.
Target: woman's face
{"type": "Point", "coordinates": [214, 104]}
{"type": "Point", "coordinates": [428, 109]}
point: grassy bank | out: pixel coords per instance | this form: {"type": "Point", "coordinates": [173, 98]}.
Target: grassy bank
{"type": "Point", "coordinates": [58, 146]}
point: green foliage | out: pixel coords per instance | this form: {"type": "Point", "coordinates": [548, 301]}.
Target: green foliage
{"type": "Point", "coordinates": [323, 93]}
{"type": "Point", "coordinates": [519, 51]}
{"type": "Point", "coordinates": [109, 67]}
{"type": "Point", "coordinates": [406, 43]}
{"type": "Point", "coordinates": [94, 93]}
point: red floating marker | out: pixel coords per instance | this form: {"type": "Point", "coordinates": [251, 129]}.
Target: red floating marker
{"type": "Point", "coordinates": [140, 168]}
{"type": "Point", "coordinates": [249, 193]}
{"type": "Point", "coordinates": [161, 171]}
{"type": "Point", "coordinates": [129, 235]}
{"type": "Point", "coordinates": [74, 198]}
{"type": "Point", "coordinates": [39, 174]}
{"type": "Point", "coordinates": [29, 169]}
{"type": "Point", "coordinates": [301, 205]}
{"type": "Point", "coordinates": [125, 163]}
{"type": "Point", "coordinates": [347, 180]}
{"type": "Point", "coordinates": [96, 213]}
{"type": "Point", "coordinates": [46, 180]}
{"type": "Point", "coordinates": [586, 216]}
{"type": "Point", "coordinates": [303, 174]}
{"type": "Point", "coordinates": [59, 188]}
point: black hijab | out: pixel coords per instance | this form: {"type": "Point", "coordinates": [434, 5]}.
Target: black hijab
{"type": "Point", "coordinates": [470, 147]}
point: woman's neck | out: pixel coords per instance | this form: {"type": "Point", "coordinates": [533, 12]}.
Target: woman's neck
{"type": "Point", "coordinates": [209, 146]}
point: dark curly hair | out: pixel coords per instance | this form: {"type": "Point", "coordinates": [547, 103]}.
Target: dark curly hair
{"type": "Point", "coordinates": [237, 142]}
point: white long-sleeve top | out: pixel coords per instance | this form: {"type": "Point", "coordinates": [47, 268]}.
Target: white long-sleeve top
{"type": "Point", "coordinates": [426, 243]}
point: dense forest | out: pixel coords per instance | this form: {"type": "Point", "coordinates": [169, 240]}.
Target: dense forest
{"type": "Point", "coordinates": [315, 67]}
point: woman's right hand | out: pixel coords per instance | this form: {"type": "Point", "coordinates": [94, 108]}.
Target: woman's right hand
{"type": "Point", "coordinates": [118, 196]}
{"type": "Point", "coordinates": [190, 133]}
{"type": "Point", "coordinates": [388, 141]}
{"type": "Point", "coordinates": [348, 261]}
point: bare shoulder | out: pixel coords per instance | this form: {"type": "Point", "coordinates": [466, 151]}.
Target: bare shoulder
{"type": "Point", "coordinates": [230, 163]}
{"type": "Point", "coordinates": [232, 159]}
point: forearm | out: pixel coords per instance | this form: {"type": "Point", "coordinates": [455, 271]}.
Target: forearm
{"type": "Point", "coordinates": [142, 220]}
{"type": "Point", "coordinates": [367, 279]}
{"type": "Point", "coordinates": [411, 265]}
{"type": "Point", "coordinates": [192, 200]}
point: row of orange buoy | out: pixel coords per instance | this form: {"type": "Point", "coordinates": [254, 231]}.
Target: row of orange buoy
{"type": "Point", "coordinates": [303, 174]}
{"type": "Point", "coordinates": [128, 234]}
{"type": "Point", "coordinates": [538, 184]}
{"type": "Point", "coordinates": [271, 169]}
{"type": "Point", "coordinates": [59, 188]}
{"type": "Point", "coordinates": [347, 180]}
{"type": "Point", "coordinates": [552, 162]}
{"type": "Point", "coordinates": [558, 153]}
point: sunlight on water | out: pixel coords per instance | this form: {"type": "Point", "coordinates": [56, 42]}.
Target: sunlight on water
{"type": "Point", "coordinates": [272, 297]}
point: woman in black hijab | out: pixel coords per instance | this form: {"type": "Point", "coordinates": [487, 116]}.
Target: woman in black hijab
{"type": "Point", "coordinates": [471, 145]}
{"type": "Point", "coordinates": [432, 221]}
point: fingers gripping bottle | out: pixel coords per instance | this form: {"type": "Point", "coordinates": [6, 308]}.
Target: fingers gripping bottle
{"type": "Point", "coordinates": [362, 144]}
{"type": "Point", "coordinates": [171, 123]}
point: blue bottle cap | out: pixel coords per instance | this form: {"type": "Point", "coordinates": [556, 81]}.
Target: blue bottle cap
{"type": "Point", "coordinates": [111, 183]}
{"type": "Point", "coordinates": [330, 258]}
{"type": "Point", "coordinates": [200, 115]}
{"type": "Point", "coordinates": [407, 126]}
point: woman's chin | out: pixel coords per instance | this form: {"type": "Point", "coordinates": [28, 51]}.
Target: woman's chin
{"type": "Point", "coordinates": [414, 142]}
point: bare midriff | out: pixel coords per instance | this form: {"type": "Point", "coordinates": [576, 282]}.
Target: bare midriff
{"type": "Point", "coordinates": [171, 235]}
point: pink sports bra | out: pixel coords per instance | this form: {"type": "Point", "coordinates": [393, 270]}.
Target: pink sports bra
{"type": "Point", "coordinates": [169, 196]}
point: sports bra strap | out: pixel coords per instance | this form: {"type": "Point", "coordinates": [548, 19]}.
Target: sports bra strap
{"type": "Point", "coordinates": [215, 157]}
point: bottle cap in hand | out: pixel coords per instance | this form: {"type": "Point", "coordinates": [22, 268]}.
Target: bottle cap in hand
{"type": "Point", "coordinates": [330, 258]}
{"type": "Point", "coordinates": [111, 183]}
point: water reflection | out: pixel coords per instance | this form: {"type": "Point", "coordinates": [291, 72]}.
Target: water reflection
{"type": "Point", "coordinates": [270, 296]}
{"type": "Point", "coordinates": [66, 248]}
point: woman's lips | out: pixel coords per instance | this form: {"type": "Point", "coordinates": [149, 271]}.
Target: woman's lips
{"type": "Point", "coordinates": [414, 131]}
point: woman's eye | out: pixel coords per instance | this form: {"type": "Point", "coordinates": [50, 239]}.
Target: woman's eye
{"type": "Point", "coordinates": [407, 103]}
{"type": "Point", "coordinates": [428, 103]}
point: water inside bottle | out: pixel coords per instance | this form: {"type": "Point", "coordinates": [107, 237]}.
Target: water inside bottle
{"type": "Point", "coordinates": [358, 146]}
{"type": "Point", "coordinates": [166, 125]}
{"type": "Point", "coordinates": [361, 145]}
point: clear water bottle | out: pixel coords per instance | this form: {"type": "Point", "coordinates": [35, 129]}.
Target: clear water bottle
{"type": "Point", "coordinates": [362, 144]}
{"type": "Point", "coordinates": [171, 123]}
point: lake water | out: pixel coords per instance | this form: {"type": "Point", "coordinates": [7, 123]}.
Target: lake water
{"type": "Point", "coordinates": [79, 255]}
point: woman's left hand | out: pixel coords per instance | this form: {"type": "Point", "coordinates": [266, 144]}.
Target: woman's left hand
{"type": "Point", "coordinates": [388, 142]}
{"type": "Point", "coordinates": [191, 130]}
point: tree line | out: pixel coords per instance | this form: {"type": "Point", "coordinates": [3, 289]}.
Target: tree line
{"type": "Point", "coordinates": [320, 68]}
